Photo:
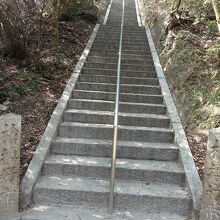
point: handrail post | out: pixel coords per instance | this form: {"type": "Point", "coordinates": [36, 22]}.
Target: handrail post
{"type": "Point", "coordinates": [115, 127]}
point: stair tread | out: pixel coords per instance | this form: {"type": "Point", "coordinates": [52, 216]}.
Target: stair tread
{"type": "Point", "coordinates": [102, 186]}
{"type": "Point", "coordinates": [114, 84]}
{"type": "Point", "coordinates": [123, 114]}
{"type": "Point", "coordinates": [130, 164]}
{"type": "Point", "coordinates": [122, 93]}
{"type": "Point", "coordinates": [69, 212]}
{"type": "Point", "coordinates": [136, 71]}
{"type": "Point", "coordinates": [93, 62]}
{"type": "Point", "coordinates": [116, 57]}
{"type": "Point", "coordinates": [136, 128]}
{"type": "Point", "coordinates": [120, 143]}
{"type": "Point", "coordinates": [123, 77]}
{"type": "Point", "coordinates": [127, 103]}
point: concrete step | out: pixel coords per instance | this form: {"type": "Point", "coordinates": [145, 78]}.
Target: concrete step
{"type": "Point", "coordinates": [125, 133]}
{"type": "Point", "coordinates": [125, 149]}
{"type": "Point", "coordinates": [107, 117]}
{"type": "Point", "coordinates": [108, 36]}
{"type": "Point", "coordinates": [114, 66]}
{"type": "Point", "coordinates": [124, 56]}
{"type": "Point", "coordinates": [128, 195]}
{"type": "Point", "coordinates": [124, 73]}
{"type": "Point", "coordinates": [124, 88]}
{"type": "Point", "coordinates": [56, 212]}
{"type": "Point", "coordinates": [113, 80]}
{"type": "Point", "coordinates": [104, 38]}
{"type": "Point", "coordinates": [124, 37]}
{"type": "Point", "coordinates": [124, 97]}
{"type": "Point", "coordinates": [124, 42]}
{"type": "Point", "coordinates": [114, 51]}
{"type": "Point", "coordinates": [125, 33]}
{"type": "Point", "coordinates": [102, 105]}
{"type": "Point", "coordinates": [127, 169]}
{"type": "Point", "coordinates": [102, 59]}
{"type": "Point", "coordinates": [113, 28]}
{"type": "Point", "coordinates": [116, 46]}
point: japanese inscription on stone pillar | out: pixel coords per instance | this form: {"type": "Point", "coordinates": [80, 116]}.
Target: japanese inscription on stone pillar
{"type": "Point", "coordinates": [10, 134]}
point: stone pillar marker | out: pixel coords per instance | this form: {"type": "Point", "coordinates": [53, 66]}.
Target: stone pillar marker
{"type": "Point", "coordinates": [10, 136]}
{"type": "Point", "coordinates": [210, 209]}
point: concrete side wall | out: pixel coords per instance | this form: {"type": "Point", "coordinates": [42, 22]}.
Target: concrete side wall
{"type": "Point", "coordinates": [43, 148]}
{"type": "Point", "coordinates": [211, 193]}
{"type": "Point", "coordinates": [186, 158]}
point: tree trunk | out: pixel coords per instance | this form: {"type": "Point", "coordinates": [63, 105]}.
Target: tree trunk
{"type": "Point", "coordinates": [216, 6]}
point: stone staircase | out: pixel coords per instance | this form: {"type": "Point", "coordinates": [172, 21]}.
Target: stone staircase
{"type": "Point", "coordinates": [150, 179]}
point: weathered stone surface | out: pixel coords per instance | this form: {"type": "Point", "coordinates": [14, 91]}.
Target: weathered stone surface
{"type": "Point", "coordinates": [3, 107]}
{"type": "Point", "coordinates": [211, 196]}
{"type": "Point", "coordinates": [10, 128]}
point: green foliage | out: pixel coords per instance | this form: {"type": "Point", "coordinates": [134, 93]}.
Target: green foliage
{"type": "Point", "coordinates": [3, 93]}
{"type": "Point", "coordinates": [27, 83]}
{"type": "Point", "coordinates": [71, 8]}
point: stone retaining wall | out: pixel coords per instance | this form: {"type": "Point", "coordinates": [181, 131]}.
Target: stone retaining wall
{"type": "Point", "coordinates": [211, 194]}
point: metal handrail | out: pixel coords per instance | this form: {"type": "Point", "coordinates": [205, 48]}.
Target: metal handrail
{"type": "Point", "coordinates": [115, 126]}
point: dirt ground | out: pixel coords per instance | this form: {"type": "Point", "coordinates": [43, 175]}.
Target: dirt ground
{"type": "Point", "coordinates": [36, 107]}
{"type": "Point", "coordinates": [198, 145]}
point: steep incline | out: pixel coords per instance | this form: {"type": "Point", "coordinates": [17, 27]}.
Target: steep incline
{"type": "Point", "coordinates": [151, 181]}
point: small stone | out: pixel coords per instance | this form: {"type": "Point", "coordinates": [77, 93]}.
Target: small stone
{"type": "Point", "coordinates": [7, 103]}
{"type": "Point", "coordinates": [3, 107]}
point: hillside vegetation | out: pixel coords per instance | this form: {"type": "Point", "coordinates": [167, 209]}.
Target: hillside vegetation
{"type": "Point", "coordinates": [188, 43]}
{"type": "Point", "coordinates": [187, 40]}
{"type": "Point", "coordinates": [40, 44]}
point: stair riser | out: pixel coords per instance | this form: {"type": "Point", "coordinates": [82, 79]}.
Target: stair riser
{"type": "Point", "coordinates": [133, 38]}
{"type": "Point", "coordinates": [130, 52]}
{"type": "Point", "coordinates": [125, 33]}
{"type": "Point", "coordinates": [128, 49]}
{"type": "Point", "coordinates": [127, 152]}
{"type": "Point", "coordinates": [122, 201]}
{"type": "Point", "coordinates": [106, 79]}
{"type": "Point", "coordinates": [123, 97]}
{"type": "Point", "coordinates": [118, 34]}
{"type": "Point", "coordinates": [124, 61]}
{"type": "Point", "coordinates": [147, 74]}
{"type": "Point", "coordinates": [124, 56]}
{"type": "Point", "coordinates": [129, 29]}
{"type": "Point", "coordinates": [135, 43]}
{"type": "Point", "coordinates": [104, 172]}
{"type": "Point", "coordinates": [125, 42]}
{"type": "Point", "coordinates": [112, 88]}
{"type": "Point", "coordinates": [108, 119]}
{"type": "Point", "coordinates": [103, 106]}
{"type": "Point", "coordinates": [123, 66]}
{"type": "Point", "coordinates": [118, 29]}
{"type": "Point", "coordinates": [123, 134]}
{"type": "Point", "coordinates": [116, 47]}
